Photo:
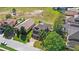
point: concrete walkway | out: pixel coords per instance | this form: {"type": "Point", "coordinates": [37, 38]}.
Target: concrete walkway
{"type": "Point", "coordinates": [17, 45]}
{"type": "Point", "coordinates": [32, 41]}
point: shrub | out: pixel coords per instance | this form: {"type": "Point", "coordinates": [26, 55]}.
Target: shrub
{"type": "Point", "coordinates": [38, 44]}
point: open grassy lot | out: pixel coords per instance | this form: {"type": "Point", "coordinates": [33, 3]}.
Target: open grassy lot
{"type": "Point", "coordinates": [49, 15]}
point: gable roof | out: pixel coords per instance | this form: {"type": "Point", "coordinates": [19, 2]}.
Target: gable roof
{"type": "Point", "coordinates": [74, 36]}
{"type": "Point", "coordinates": [11, 22]}
{"type": "Point", "coordinates": [42, 26]}
{"type": "Point", "coordinates": [26, 24]}
{"type": "Point", "coordinates": [71, 13]}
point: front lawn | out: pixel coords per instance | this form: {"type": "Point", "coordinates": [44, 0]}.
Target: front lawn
{"type": "Point", "coordinates": [8, 48]}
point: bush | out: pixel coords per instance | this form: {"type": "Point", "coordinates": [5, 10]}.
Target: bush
{"type": "Point", "coordinates": [54, 42]}
{"type": "Point", "coordinates": [8, 16]}
{"type": "Point", "coordinates": [23, 37]}
{"type": "Point", "coordinates": [38, 44]}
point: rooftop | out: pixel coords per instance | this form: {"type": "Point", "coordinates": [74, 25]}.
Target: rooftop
{"type": "Point", "coordinates": [71, 13]}
{"type": "Point", "coordinates": [26, 24]}
{"type": "Point", "coordinates": [42, 26]}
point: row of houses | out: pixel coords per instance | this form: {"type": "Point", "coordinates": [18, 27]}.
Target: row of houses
{"type": "Point", "coordinates": [72, 27]}
{"type": "Point", "coordinates": [27, 24]}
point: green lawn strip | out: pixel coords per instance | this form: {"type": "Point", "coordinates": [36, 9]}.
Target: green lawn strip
{"type": "Point", "coordinates": [1, 50]}
{"type": "Point", "coordinates": [8, 48]}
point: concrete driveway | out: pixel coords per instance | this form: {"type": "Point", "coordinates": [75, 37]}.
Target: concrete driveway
{"type": "Point", "coordinates": [17, 45]}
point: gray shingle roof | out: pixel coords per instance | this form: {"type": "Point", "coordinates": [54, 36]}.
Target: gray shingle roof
{"type": "Point", "coordinates": [26, 24]}
{"type": "Point", "coordinates": [74, 36]}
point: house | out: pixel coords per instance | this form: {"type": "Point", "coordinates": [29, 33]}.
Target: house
{"type": "Point", "coordinates": [72, 27]}
{"type": "Point", "coordinates": [70, 13]}
{"type": "Point", "coordinates": [73, 40]}
{"type": "Point", "coordinates": [74, 21]}
{"type": "Point", "coordinates": [27, 24]}
{"type": "Point", "coordinates": [11, 22]}
{"type": "Point", "coordinates": [38, 28]}
{"type": "Point", "coordinates": [73, 9]}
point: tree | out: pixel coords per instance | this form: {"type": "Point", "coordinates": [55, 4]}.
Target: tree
{"type": "Point", "coordinates": [23, 33]}
{"type": "Point", "coordinates": [23, 30]}
{"type": "Point", "coordinates": [43, 34]}
{"type": "Point", "coordinates": [54, 42]}
{"type": "Point", "coordinates": [14, 11]}
{"type": "Point", "coordinates": [9, 32]}
{"type": "Point", "coordinates": [58, 25]}
{"type": "Point", "coordinates": [8, 16]}
{"type": "Point", "coordinates": [17, 32]}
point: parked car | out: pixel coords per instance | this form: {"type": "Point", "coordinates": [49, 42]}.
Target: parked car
{"type": "Point", "coordinates": [4, 43]}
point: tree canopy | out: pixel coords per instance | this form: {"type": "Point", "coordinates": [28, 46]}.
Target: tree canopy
{"type": "Point", "coordinates": [58, 25]}
{"type": "Point", "coordinates": [9, 32]}
{"type": "Point", "coordinates": [54, 42]}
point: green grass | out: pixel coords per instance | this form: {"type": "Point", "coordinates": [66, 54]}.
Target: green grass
{"type": "Point", "coordinates": [49, 15]}
{"type": "Point", "coordinates": [8, 48]}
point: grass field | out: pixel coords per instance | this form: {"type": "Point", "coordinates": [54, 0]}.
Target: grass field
{"type": "Point", "coordinates": [49, 15]}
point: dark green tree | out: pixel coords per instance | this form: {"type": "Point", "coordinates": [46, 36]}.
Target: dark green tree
{"type": "Point", "coordinates": [54, 42]}
{"type": "Point", "coordinates": [23, 33]}
{"type": "Point", "coordinates": [14, 11]}
{"type": "Point", "coordinates": [23, 30]}
{"type": "Point", "coordinates": [17, 32]}
{"type": "Point", "coordinates": [8, 16]}
{"type": "Point", "coordinates": [9, 32]}
{"type": "Point", "coordinates": [43, 34]}
{"type": "Point", "coordinates": [58, 25]}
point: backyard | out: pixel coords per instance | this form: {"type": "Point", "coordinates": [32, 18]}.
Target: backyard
{"type": "Point", "coordinates": [49, 15]}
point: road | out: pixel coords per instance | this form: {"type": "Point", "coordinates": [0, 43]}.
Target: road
{"type": "Point", "coordinates": [17, 45]}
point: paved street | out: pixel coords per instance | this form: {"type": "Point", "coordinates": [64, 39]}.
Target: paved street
{"type": "Point", "coordinates": [18, 45]}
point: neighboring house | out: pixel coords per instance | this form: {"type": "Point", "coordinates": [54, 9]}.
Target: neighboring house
{"type": "Point", "coordinates": [73, 9]}
{"type": "Point", "coordinates": [71, 13]}
{"type": "Point", "coordinates": [74, 21]}
{"type": "Point", "coordinates": [73, 40]}
{"type": "Point", "coordinates": [38, 28]}
{"type": "Point", "coordinates": [72, 27]}
{"type": "Point", "coordinates": [27, 24]}
{"type": "Point", "coordinates": [11, 22]}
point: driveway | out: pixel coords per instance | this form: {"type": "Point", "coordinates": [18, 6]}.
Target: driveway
{"type": "Point", "coordinates": [32, 41]}
{"type": "Point", "coordinates": [17, 45]}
